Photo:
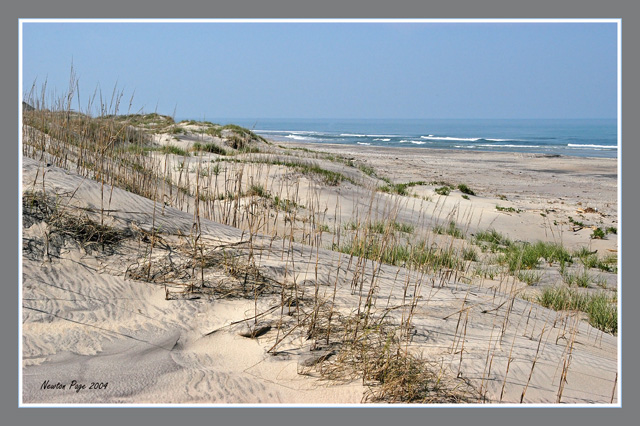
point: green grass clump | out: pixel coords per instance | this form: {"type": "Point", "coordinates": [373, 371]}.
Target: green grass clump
{"type": "Point", "coordinates": [443, 190]}
{"type": "Point", "coordinates": [608, 264]}
{"type": "Point", "coordinates": [351, 226]}
{"type": "Point", "coordinates": [598, 234]}
{"type": "Point", "coordinates": [469, 254]}
{"type": "Point", "coordinates": [591, 260]}
{"type": "Point", "coordinates": [382, 227]}
{"type": "Point", "coordinates": [398, 188]}
{"type": "Point", "coordinates": [508, 209]}
{"type": "Point", "coordinates": [485, 272]}
{"type": "Point", "coordinates": [465, 189]}
{"type": "Point", "coordinates": [552, 252]}
{"type": "Point", "coordinates": [451, 229]}
{"type": "Point", "coordinates": [324, 228]}
{"type": "Point", "coordinates": [410, 255]}
{"type": "Point", "coordinates": [563, 299]}
{"type": "Point", "coordinates": [529, 277]}
{"type": "Point", "coordinates": [493, 237]}
{"type": "Point", "coordinates": [576, 222]}
{"type": "Point", "coordinates": [378, 227]}
{"type": "Point", "coordinates": [367, 170]}
{"type": "Point", "coordinates": [328, 177]}
{"type": "Point", "coordinates": [601, 309]}
{"type": "Point", "coordinates": [584, 279]}
{"type": "Point", "coordinates": [603, 313]}
{"type": "Point", "coordinates": [518, 257]}
{"type": "Point", "coordinates": [258, 191]}
{"type": "Point", "coordinates": [527, 256]}
{"type": "Point", "coordinates": [249, 150]}
{"type": "Point", "coordinates": [137, 149]}
{"type": "Point", "coordinates": [172, 149]}
{"type": "Point", "coordinates": [403, 227]}
{"type": "Point", "coordinates": [284, 204]}
{"type": "Point", "coordinates": [243, 132]}
{"type": "Point", "coordinates": [210, 147]}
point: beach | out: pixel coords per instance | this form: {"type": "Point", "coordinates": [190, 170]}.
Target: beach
{"type": "Point", "coordinates": [212, 266]}
{"type": "Point", "coordinates": [534, 182]}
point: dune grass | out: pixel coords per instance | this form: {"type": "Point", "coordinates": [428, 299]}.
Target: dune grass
{"type": "Point", "coordinates": [600, 308]}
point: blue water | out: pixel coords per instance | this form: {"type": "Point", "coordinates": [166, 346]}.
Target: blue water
{"type": "Point", "coordinates": [583, 138]}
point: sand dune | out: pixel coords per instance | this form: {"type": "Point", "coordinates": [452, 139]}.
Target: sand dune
{"type": "Point", "coordinates": [90, 315]}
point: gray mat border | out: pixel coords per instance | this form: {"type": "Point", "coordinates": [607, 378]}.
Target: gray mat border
{"type": "Point", "coordinates": [9, 232]}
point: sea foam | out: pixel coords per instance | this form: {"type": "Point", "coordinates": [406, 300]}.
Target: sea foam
{"type": "Point", "coordinates": [577, 145]}
{"type": "Point", "coordinates": [449, 138]}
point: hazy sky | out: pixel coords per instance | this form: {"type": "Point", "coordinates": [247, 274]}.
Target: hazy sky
{"type": "Point", "coordinates": [334, 70]}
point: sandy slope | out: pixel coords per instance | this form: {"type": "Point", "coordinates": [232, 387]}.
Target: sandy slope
{"type": "Point", "coordinates": [85, 320]}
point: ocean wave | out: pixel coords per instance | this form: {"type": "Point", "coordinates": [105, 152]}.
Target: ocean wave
{"type": "Point", "coordinates": [510, 146]}
{"type": "Point", "coordinates": [363, 143]}
{"type": "Point", "coordinates": [577, 145]}
{"type": "Point", "coordinates": [383, 140]}
{"type": "Point", "coordinates": [449, 138]}
{"type": "Point", "coordinates": [300, 138]}
{"type": "Point", "coordinates": [294, 132]}
{"type": "Point", "coordinates": [415, 142]}
{"type": "Point", "coordinates": [354, 135]}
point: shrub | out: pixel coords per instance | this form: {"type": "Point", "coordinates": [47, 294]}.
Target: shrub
{"type": "Point", "coordinates": [598, 234]}
{"type": "Point", "coordinates": [465, 189]}
{"type": "Point", "coordinates": [443, 190]}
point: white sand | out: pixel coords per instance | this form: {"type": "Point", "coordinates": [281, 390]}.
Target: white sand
{"type": "Point", "coordinates": [84, 320]}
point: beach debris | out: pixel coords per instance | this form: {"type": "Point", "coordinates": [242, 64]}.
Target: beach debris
{"type": "Point", "coordinates": [315, 359]}
{"type": "Point", "coordinates": [256, 332]}
{"type": "Point", "coordinates": [587, 210]}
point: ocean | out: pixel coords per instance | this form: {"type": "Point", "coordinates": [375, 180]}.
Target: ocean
{"type": "Point", "coordinates": [581, 138]}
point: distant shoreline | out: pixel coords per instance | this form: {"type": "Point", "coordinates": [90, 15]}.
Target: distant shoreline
{"type": "Point", "coordinates": [421, 150]}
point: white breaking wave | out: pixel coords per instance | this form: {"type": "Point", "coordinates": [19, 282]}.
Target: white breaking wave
{"type": "Point", "coordinates": [383, 140]}
{"type": "Point", "coordinates": [415, 142]}
{"type": "Point", "coordinates": [577, 145]}
{"type": "Point", "coordinates": [353, 135]}
{"type": "Point", "coordinates": [300, 138]}
{"type": "Point", "coordinates": [294, 132]}
{"type": "Point", "coordinates": [363, 143]}
{"type": "Point", "coordinates": [510, 146]}
{"type": "Point", "coordinates": [448, 138]}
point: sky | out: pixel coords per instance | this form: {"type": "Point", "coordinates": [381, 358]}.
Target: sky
{"type": "Point", "coordinates": [343, 70]}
